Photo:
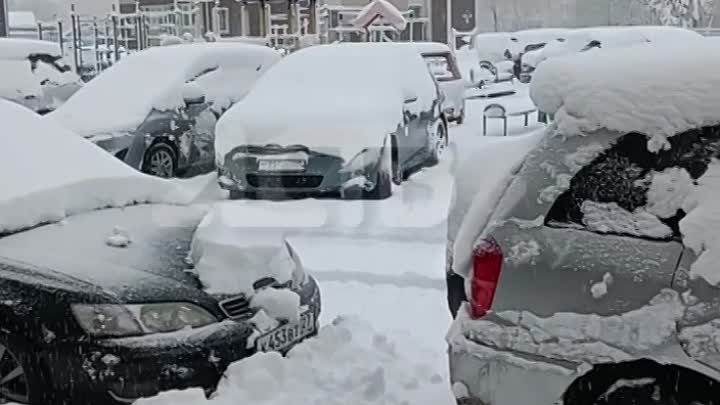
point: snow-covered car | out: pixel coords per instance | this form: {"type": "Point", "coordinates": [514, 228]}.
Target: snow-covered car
{"type": "Point", "coordinates": [113, 288]}
{"type": "Point", "coordinates": [156, 110]}
{"type": "Point", "coordinates": [34, 74]}
{"type": "Point", "coordinates": [586, 272]}
{"type": "Point", "coordinates": [585, 39]}
{"type": "Point", "coordinates": [444, 67]}
{"type": "Point", "coordinates": [362, 117]}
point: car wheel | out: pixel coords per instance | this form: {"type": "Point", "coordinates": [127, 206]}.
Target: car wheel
{"type": "Point", "coordinates": [242, 195]}
{"type": "Point", "coordinates": [20, 379]}
{"type": "Point", "coordinates": [461, 118]}
{"type": "Point", "coordinates": [160, 160]}
{"type": "Point", "coordinates": [438, 142]}
{"type": "Point", "coordinates": [389, 174]}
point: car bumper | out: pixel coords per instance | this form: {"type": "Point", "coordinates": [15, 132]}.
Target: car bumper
{"type": "Point", "coordinates": [482, 374]}
{"type": "Point", "coordinates": [123, 370]}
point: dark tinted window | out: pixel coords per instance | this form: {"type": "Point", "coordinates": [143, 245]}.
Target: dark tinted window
{"type": "Point", "coordinates": [610, 194]}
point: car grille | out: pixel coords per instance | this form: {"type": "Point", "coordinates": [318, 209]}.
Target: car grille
{"type": "Point", "coordinates": [236, 308]}
{"type": "Point", "coordinates": [284, 181]}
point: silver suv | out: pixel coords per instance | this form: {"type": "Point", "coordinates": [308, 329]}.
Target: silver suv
{"type": "Point", "coordinates": [579, 292]}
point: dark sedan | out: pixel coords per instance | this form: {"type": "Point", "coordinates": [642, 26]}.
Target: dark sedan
{"type": "Point", "coordinates": [88, 319]}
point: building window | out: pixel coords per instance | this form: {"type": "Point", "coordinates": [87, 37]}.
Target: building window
{"type": "Point", "coordinates": [223, 19]}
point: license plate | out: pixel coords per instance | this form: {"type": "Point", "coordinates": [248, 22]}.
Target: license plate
{"type": "Point", "coordinates": [277, 165]}
{"type": "Point", "coordinates": [287, 335]}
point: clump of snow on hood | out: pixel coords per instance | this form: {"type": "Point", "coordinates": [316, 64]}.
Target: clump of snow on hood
{"type": "Point", "coordinates": [278, 303]}
{"type": "Point", "coordinates": [667, 192]}
{"type": "Point", "coordinates": [337, 99]}
{"type": "Point", "coordinates": [475, 196]}
{"type": "Point", "coordinates": [630, 89]}
{"type": "Point", "coordinates": [600, 289]}
{"type": "Point", "coordinates": [347, 363]}
{"type": "Point", "coordinates": [51, 173]}
{"type": "Point", "coordinates": [119, 238]}
{"type": "Point", "coordinates": [230, 258]}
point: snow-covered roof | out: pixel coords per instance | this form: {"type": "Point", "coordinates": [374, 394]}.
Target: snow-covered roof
{"type": "Point", "coordinates": [51, 173]}
{"type": "Point", "coordinates": [22, 20]}
{"type": "Point", "coordinates": [429, 47]}
{"type": "Point", "coordinates": [335, 96]}
{"type": "Point", "coordinates": [382, 11]}
{"type": "Point", "coordinates": [122, 97]}
{"type": "Point", "coordinates": [18, 48]}
{"type": "Point", "coordinates": [632, 89]}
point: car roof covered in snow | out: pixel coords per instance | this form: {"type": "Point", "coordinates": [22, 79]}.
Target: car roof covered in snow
{"type": "Point", "coordinates": [632, 89]}
{"type": "Point", "coordinates": [121, 98]}
{"type": "Point", "coordinates": [51, 173]}
{"type": "Point", "coordinates": [18, 48]}
{"type": "Point", "coordinates": [429, 47]}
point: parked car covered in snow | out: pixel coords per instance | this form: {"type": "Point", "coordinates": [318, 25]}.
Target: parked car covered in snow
{"type": "Point", "coordinates": [444, 67]}
{"type": "Point", "coordinates": [112, 288]}
{"type": "Point", "coordinates": [34, 74]}
{"type": "Point", "coordinates": [586, 273]}
{"type": "Point", "coordinates": [586, 39]}
{"type": "Point", "coordinates": [157, 109]}
{"type": "Point", "coordinates": [362, 117]}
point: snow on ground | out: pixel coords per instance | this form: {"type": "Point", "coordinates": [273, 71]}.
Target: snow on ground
{"type": "Point", "coordinates": [380, 266]}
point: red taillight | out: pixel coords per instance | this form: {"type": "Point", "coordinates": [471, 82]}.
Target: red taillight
{"type": "Point", "coordinates": [487, 263]}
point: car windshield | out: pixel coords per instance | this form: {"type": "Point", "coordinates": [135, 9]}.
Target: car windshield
{"type": "Point", "coordinates": [442, 67]}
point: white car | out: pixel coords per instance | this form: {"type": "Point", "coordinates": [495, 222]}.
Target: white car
{"type": "Point", "coordinates": [444, 67]}
{"type": "Point", "coordinates": [34, 74]}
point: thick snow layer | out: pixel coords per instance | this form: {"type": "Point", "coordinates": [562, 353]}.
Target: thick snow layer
{"type": "Point", "coordinates": [122, 98]}
{"type": "Point", "coordinates": [351, 96]}
{"type": "Point", "coordinates": [381, 11]}
{"type": "Point", "coordinates": [50, 186]}
{"type": "Point", "coordinates": [229, 259]}
{"type": "Point", "coordinates": [611, 218]}
{"type": "Point", "coordinates": [700, 227]}
{"type": "Point", "coordinates": [588, 338]}
{"type": "Point", "coordinates": [18, 80]}
{"type": "Point", "coordinates": [20, 49]}
{"type": "Point", "coordinates": [348, 363]}
{"type": "Point", "coordinates": [480, 182]}
{"type": "Point", "coordinates": [608, 89]}
{"type": "Point", "coordinates": [282, 304]}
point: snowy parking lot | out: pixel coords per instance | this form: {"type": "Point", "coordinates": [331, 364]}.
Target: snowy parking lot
{"type": "Point", "coordinates": [380, 266]}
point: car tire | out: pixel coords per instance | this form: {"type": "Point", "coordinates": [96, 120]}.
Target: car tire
{"type": "Point", "coordinates": [160, 161]}
{"type": "Point", "coordinates": [243, 195]}
{"type": "Point", "coordinates": [438, 142]}
{"type": "Point", "coordinates": [36, 391]}
{"type": "Point", "coordinates": [461, 118]}
{"type": "Point", "coordinates": [389, 174]}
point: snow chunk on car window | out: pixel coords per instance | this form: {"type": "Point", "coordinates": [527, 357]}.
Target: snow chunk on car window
{"type": "Point", "coordinates": [700, 226]}
{"type": "Point", "coordinates": [50, 173]}
{"type": "Point", "coordinates": [631, 89]}
{"type": "Point", "coordinates": [611, 218]}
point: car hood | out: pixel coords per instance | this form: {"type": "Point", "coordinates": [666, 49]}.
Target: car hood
{"type": "Point", "coordinates": [341, 127]}
{"type": "Point", "coordinates": [133, 254]}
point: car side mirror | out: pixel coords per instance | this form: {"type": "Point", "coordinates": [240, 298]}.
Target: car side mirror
{"type": "Point", "coordinates": [411, 99]}
{"type": "Point", "coordinates": [193, 94]}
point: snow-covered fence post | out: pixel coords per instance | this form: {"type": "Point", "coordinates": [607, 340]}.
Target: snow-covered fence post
{"type": "Point", "coordinates": [116, 48]}
{"type": "Point", "coordinates": [73, 20]}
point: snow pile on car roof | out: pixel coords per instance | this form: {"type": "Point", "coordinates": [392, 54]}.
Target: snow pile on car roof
{"type": "Point", "coordinates": [347, 363]}
{"type": "Point", "coordinates": [338, 98]}
{"type": "Point", "coordinates": [18, 80]}
{"type": "Point", "coordinates": [20, 48]}
{"type": "Point", "coordinates": [49, 173]}
{"type": "Point", "coordinates": [123, 96]}
{"type": "Point", "coordinates": [658, 90]}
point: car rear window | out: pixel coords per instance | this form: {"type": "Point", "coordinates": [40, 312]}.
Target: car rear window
{"type": "Point", "coordinates": [442, 67]}
{"type": "Point", "coordinates": [629, 190]}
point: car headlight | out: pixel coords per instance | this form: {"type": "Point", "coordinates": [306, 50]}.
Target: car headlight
{"type": "Point", "coordinates": [110, 320]}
